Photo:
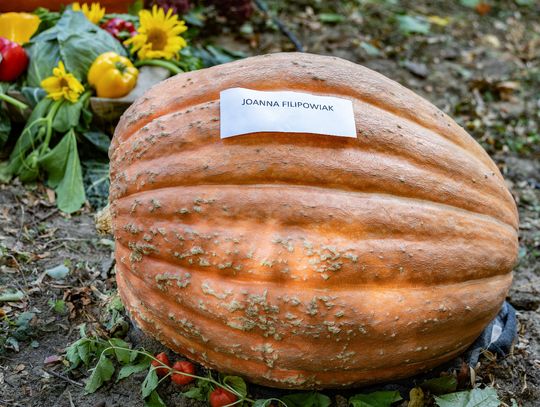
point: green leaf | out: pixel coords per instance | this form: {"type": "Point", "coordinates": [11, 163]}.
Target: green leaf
{"type": "Point", "coordinates": [200, 392]}
{"type": "Point", "coordinates": [474, 398]}
{"type": "Point", "coordinates": [48, 19]}
{"type": "Point", "coordinates": [440, 385]}
{"type": "Point", "coordinates": [54, 162]}
{"type": "Point", "coordinates": [331, 18]}
{"type": "Point", "coordinates": [98, 139]}
{"type": "Point", "coordinates": [68, 116]}
{"type": "Point", "coordinates": [29, 169]}
{"type": "Point", "coordinates": [44, 56]}
{"type": "Point", "coordinates": [81, 45]}
{"type": "Point", "coordinates": [128, 370]}
{"type": "Point", "coordinates": [212, 55]}
{"type": "Point", "coordinates": [150, 383]}
{"type": "Point", "coordinates": [24, 319]}
{"type": "Point", "coordinates": [101, 373]}
{"type": "Point", "coordinates": [312, 399]}
{"type": "Point", "coordinates": [122, 355]}
{"type": "Point", "coordinates": [29, 139]}
{"type": "Point", "coordinates": [70, 194]}
{"type": "Point", "coordinates": [33, 95]}
{"type": "Point", "coordinates": [154, 400]}
{"type": "Point", "coordinates": [72, 353]}
{"type": "Point", "coordinates": [84, 350]}
{"type": "Point", "coordinates": [58, 272]}
{"type": "Point", "coordinates": [59, 306]}
{"type": "Point", "coordinates": [413, 25]}
{"type": "Point", "coordinates": [237, 383]}
{"type": "Point", "coordinates": [376, 399]}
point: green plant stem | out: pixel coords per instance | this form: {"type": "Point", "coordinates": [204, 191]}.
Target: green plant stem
{"type": "Point", "coordinates": [13, 101]}
{"type": "Point", "coordinates": [159, 62]}
{"type": "Point", "coordinates": [49, 121]}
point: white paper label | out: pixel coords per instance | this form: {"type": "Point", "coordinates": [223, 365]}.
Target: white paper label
{"type": "Point", "coordinates": [245, 111]}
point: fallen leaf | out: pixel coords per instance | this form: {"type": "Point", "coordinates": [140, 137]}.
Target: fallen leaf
{"type": "Point", "coordinates": [416, 397]}
{"type": "Point", "coordinates": [58, 272]}
{"type": "Point", "coordinates": [483, 8]}
{"type": "Point", "coordinates": [440, 21]}
{"type": "Point", "coordinates": [51, 196]}
{"type": "Point", "coordinates": [52, 359]}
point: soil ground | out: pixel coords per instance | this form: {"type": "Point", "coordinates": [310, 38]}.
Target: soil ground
{"type": "Point", "coordinates": [483, 70]}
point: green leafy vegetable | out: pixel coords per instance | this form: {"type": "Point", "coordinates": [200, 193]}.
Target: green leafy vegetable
{"type": "Point", "coordinates": [70, 190]}
{"type": "Point", "coordinates": [75, 41]}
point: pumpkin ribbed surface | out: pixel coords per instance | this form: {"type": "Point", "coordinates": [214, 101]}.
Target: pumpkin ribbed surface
{"type": "Point", "coordinates": [302, 260]}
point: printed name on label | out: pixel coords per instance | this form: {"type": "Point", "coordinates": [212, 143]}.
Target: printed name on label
{"type": "Point", "coordinates": [244, 111]}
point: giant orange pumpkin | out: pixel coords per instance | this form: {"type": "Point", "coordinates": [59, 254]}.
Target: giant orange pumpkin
{"type": "Point", "coordinates": [303, 260]}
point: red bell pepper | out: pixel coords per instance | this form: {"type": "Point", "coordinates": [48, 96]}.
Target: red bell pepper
{"type": "Point", "coordinates": [13, 60]}
{"type": "Point", "coordinates": [119, 29]}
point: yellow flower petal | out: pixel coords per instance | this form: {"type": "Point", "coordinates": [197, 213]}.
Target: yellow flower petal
{"type": "Point", "coordinates": [62, 85]}
{"type": "Point", "coordinates": [94, 12]}
{"type": "Point", "coordinates": [158, 35]}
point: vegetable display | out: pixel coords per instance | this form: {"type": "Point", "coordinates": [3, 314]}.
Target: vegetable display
{"type": "Point", "coordinates": [302, 260]}
{"type": "Point", "coordinates": [68, 57]}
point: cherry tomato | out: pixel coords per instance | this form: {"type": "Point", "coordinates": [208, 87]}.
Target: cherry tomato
{"type": "Point", "coordinates": [163, 358]}
{"type": "Point", "coordinates": [186, 367]}
{"type": "Point", "coordinates": [221, 397]}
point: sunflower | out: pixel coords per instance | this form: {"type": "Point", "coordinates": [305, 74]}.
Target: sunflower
{"type": "Point", "coordinates": [62, 85]}
{"type": "Point", "coordinates": [158, 35]}
{"type": "Point", "coordinates": [94, 13]}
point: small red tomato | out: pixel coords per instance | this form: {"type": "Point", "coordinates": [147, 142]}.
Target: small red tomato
{"type": "Point", "coordinates": [221, 397]}
{"type": "Point", "coordinates": [186, 367]}
{"type": "Point", "coordinates": [164, 359]}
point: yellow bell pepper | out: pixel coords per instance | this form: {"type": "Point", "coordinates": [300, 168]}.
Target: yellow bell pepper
{"type": "Point", "coordinates": [112, 75]}
{"type": "Point", "coordinates": [18, 27]}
